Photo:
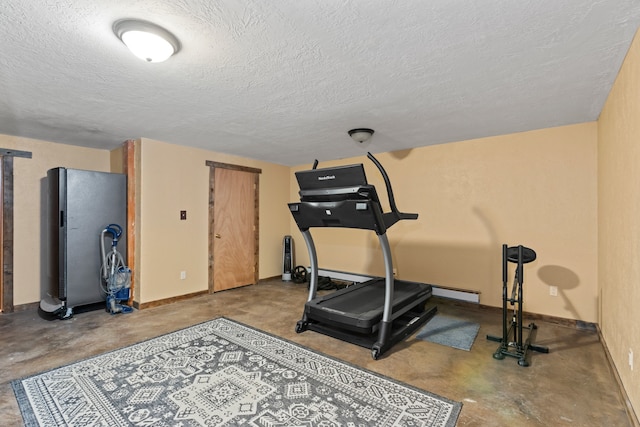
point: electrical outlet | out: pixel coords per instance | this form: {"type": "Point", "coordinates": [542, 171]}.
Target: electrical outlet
{"type": "Point", "coordinates": [553, 291]}
{"type": "Point", "coordinates": [183, 275]}
{"type": "Point", "coordinates": [631, 359]}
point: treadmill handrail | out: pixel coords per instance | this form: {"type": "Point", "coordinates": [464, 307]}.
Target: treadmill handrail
{"type": "Point", "coordinates": [392, 217]}
{"type": "Point", "coordinates": [395, 215]}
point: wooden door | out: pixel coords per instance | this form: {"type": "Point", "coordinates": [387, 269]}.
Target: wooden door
{"type": "Point", "coordinates": [233, 229]}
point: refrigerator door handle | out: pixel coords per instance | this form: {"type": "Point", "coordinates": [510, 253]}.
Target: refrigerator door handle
{"type": "Point", "coordinates": [61, 219]}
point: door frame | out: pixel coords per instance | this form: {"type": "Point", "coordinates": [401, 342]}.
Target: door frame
{"type": "Point", "coordinates": [256, 232]}
{"type": "Point", "coordinates": [6, 226]}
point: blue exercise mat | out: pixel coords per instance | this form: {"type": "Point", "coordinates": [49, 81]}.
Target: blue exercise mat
{"type": "Point", "coordinates": [450, 331]}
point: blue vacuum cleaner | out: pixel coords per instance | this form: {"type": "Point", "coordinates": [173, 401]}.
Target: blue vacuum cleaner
{"type": "Point", "coordinates": [116, 276]}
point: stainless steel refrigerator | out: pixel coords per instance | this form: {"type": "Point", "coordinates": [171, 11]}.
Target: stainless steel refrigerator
{"type": "Point", "coordinates": [81, 204]}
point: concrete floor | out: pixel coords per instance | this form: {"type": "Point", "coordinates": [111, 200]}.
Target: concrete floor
{"type": "Point", "coordinates": [572, 385]}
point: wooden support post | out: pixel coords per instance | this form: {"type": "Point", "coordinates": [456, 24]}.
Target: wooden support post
{"type": "Point", "coordinates": [129, 162]}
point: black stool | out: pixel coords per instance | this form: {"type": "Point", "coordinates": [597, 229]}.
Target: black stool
{"type": "Point", "coordinates": [511, 343]}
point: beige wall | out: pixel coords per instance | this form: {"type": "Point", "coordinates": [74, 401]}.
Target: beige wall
{"type": "Point", "coordinates": [619, 221]}
{"type": "Point", "coordinates": [171, 178]}
{"type": "Point", "coordinates": [117, 160]}
{"type": "Point", "coordinates": [534, 188]}
{"type": "Point", "coordinates": [30, 256]}
{"type": "Point", "coordinates": [174, 178]}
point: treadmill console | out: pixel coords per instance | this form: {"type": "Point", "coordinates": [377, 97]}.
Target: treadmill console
{"type": "Point", "coordinates": [341, 197]}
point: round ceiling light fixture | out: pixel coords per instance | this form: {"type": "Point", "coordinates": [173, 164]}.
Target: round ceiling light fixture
{"type": "Point", "coordinates": [361, 135]}
{"type": "Point", "coordinates": [146, 40]}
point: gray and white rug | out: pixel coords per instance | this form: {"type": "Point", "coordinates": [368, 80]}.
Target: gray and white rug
{"type": "Point", "coordinates": [223, 373]}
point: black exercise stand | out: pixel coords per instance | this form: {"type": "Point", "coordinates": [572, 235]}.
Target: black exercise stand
{"type": "Point", "coordinates": [511, 342]}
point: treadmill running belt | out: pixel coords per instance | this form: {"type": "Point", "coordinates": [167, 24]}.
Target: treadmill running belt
{"type": "Point", "coordinates": [360, 307]}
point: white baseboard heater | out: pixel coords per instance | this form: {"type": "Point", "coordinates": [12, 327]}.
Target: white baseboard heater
{"type": "Point", "coordinates": [444, 292]}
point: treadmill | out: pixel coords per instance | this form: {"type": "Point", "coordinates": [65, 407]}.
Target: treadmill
{"type": "Point", "coordinates": [380, 312]}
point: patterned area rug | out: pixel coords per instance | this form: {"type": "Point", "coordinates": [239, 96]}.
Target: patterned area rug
{"type": "Point", "coordinates": [451, 331]}
{"type": "Point", "coordinates": [223, 373]}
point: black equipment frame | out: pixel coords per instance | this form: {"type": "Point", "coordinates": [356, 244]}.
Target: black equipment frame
{"type": "Point", "coordinates": [360, 208]}
{"type": "Point", "coordinates": [511, 342]}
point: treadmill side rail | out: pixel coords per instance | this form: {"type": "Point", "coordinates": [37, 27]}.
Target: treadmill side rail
{"type": "Point", "coordinates": [313, 260]}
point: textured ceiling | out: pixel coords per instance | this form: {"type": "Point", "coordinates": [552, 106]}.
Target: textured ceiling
{"type": "Point", "coordinates": [283, 81]}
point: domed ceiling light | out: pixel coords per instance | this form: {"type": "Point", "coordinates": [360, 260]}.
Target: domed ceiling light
{"type": "Point", "coordinates": [146, 40]}
{"type": "Point", "coordinates": [361, 135]}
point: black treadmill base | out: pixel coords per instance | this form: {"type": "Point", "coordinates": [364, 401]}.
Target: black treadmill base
{"type": "Point", "coordinates": [402, 327]}
{"type": "Point", "coordinates": [359, 308]}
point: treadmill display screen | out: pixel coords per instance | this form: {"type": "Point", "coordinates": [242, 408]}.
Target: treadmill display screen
{"type": "Point", "coordinates": [336, 177]}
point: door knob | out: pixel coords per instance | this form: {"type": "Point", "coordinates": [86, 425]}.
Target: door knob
{"type": "Point", "coordinates": [217, 236]}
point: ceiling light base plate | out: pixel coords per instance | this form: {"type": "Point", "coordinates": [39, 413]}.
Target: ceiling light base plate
{"type": "Point", "coordinates": [361, 134]}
